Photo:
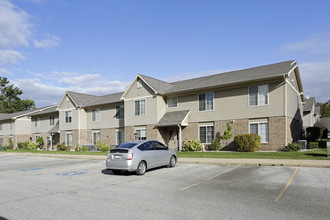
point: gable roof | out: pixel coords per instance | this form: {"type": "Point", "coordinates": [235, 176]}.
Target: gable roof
{"type": "Point", "coordinates": [173, 118]}
{"type": "Point", "coordinates": [85, 100]}
{"type": "Point", "coordinates": [15, 115]}
{"type": "Point", "coordinates": [45, 111]}
{"type": "Point", "coordinates": [308, 106]}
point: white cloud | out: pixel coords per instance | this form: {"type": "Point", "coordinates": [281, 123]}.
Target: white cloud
{"type": "Point", "coordinates": [5, 72]}
{"type": "Point", "coordinates": [14, 25]}
{"type": "Point", "coordinates": [9, 57]}
{"type": "Point", "coordinates": [85, 79]}
{"type": "Point", "coordinates": [49, 42]}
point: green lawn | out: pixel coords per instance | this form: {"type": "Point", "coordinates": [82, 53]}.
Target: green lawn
{"type": "Point", "coordinates": [317, 154]}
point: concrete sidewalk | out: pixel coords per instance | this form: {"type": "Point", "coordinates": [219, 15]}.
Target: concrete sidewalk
{"type": "Point", "coordinates": [208, 161]}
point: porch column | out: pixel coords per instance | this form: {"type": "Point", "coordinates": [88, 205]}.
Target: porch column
{"type": "Point", "coordinates": [180, 138]}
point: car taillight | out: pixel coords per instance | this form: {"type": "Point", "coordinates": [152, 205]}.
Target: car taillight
{"type": "Point", "coordinates": [130, 155]}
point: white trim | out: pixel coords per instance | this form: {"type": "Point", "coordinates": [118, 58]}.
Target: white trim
{"type": "Point", "coordinates": [213, 101]}
{"type": "Point", "coordinates": [66, 133]}
{"type": "Point", "coordinates": [185, 124]}
{"type": "Point", "coordinates": [262, 121]}
{"type": "Point", "coordinates": [286, 113]}
{"type": "Point", "coordinates": [135, 80]}
{"type": "Point", "coordinates": [205, 124]}
{"type": "Point", "coordinates": [99, 111]}
{"type": "Point", "coordinates": [292, 86]}
{"type": "Point", "coordinates": [268, 101]}
{"type": "Point", "coordinates": [95, 132]}
{"type": "Point", "coordinates": [145, 108]}
{"type": "Point", "coordinates": [177, 102]}
{"type": "Point", "coordinates": [292, 70]}
{"type": "Point", "coordinates": [141, 97]}
{"type": "Point", "coordinates": [67, 109]}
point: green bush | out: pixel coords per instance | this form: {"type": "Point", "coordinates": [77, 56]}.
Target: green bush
{"type": "Point", "coordinates": [215, 145]}
{"type": "Point", "coordinates": [23, 145]}
{"type": "Point", "coordinates": [192, 145]}
{"type": "Point", "coordinates": [227, 134]}
{"type": "Point", "coordinates": [9, 147]}
{"type": "Point", "coordinates": [313, 145]}
{"type": "Point", "coordinates": [32, 146]}
{"type": "Point", "coordinates": [62, 147]}
{"type": "Point", "coordinates": [292, 147]}
{"type": "Point", "coordinates": [84, 149]}
{"type": "Point", "coordinates": [40, 142]}
{"type": "Point", "coordinates": [100, 146]}
{"type": "Point", "coordinates": [247, 142]}
{"type": "Point", "coordinates": [105, 148]}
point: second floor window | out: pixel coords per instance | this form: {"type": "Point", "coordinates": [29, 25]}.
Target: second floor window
{"type": "Point", "coordinates": [140, 107]}
{"type": "Point", "coordinates": [96, 115]}
{"type": "Point", "coordinates": [68, 116]}
{"type": "Point", "coordinates": [206, 101]}
{"type": "Point", "coordinates": [119, 112]}
{"type": "Point", "coordinates": [51, 120]}
{"type": "Point", "coordinates": [37, 122]}
{"type": "Point", "coordinates": [0, 127]}
{"type": "Point", "coordinates": [258, 95]}
{"type": "Point", "coordinates": [172, 102]}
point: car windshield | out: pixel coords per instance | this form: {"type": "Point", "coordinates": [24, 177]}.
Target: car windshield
{"type": "Point", "coordinates": [127, 145]}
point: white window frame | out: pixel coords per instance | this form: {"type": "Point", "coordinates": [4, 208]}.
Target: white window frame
{"type": "Point", "coordinates": [258, 100]}
{"type": "Point", "coordinates": [258, 123]}
{"type": "Point", "coordinates": [36, 122]}
{"type": "Point", "coordinates": [143, 130]}
{"type": "Point", "coordinates": [206, 136]}
{"type": "Point", "coordinates": [172, 106]}
{"type": "Point", "coordinates": [0, 126]}
{"type": "Point", "coordinates": [140, 107]}
{"type": "Point", "coordinates": [67, 117]}
{"type": "Point", "coordinates": [66, 138]}
{"type": "Point", "coordinates": [93, 137]}
{"type": "Point", "coordinates": [120, 111]}
{"type": "Point", "coordinates": [206, 110]}
{"type": "Point", "coordinates": [96, 115]}
{"type": "Point", "coordinates": [1, 140]}
{"type": "Point", "coordinates": [51, 120]}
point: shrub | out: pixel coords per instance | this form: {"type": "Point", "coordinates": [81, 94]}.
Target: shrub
{"type": "Point", "coordinates": [192, 145]}
{"type": "Point", "coordinates": [84, 149]}
{"type": "Point", "coordinates": [292, 147]}
{"type": "Point", "coordinates": [227, 134]}
{"type": "Point", "coordinates": [40, 142]}
{"type": "Point", "coordinates": [247, 142]}
{"type": "Point", "coordinates": [10, 145]}
{"type": "Point", "coordinates": [32, 146]}
{"type": "Point", "coordinates": [100, 145]}
{"type": "Point", "coordinates": [313, 133]}
{"type": "Point", "coordinates": [23, 145]}
{"type": "Point", "coordinates": [61, 147]}
{"type": "Point", "coordinates": [215, 145]}
{"type": "Point", "coordinates": [105, 148]}
{"type": "Point", "coordinates": [313, 145]}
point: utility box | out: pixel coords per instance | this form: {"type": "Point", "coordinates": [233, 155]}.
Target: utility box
{"type": "Point", "coordinates": [302, 143]}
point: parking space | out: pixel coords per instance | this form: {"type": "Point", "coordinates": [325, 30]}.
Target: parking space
{"type": "Point", "coordinates": [48, 188]}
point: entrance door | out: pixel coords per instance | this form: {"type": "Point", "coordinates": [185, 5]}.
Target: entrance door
{"type": "Point", "coordinates": [173, 139]}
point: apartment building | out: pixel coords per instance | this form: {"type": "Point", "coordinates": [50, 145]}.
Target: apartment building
{"type": "Point", "coordinates": [266, 100]}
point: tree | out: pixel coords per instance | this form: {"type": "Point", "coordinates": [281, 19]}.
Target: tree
{"type": "Point", "coordinates": [325, 109]}
{"type": "Point", "coordinates": [9, 98]}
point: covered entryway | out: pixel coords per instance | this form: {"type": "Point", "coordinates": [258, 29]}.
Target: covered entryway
{"type": "Point", "coordinates": [171, 124]}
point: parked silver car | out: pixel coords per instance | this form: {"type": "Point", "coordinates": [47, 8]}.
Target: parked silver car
{"type": "Point", "coordinates": [140, 156]}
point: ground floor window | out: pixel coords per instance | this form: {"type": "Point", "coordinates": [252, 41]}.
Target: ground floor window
{"type": "Point", "coordinates": [120, 136]}
{"type": "Point", "coordinates": [1, 141]}
{"type": "Point", "coordinates": [140, 134]}
{"type": "Point", "coordinates": [68, 139]}
{"type": "Point", "coordinates": [96, 137]}
{"type": "Point", "coordinates": [260, 128]}
{"type": "Point", "coordinates": [206, 134]}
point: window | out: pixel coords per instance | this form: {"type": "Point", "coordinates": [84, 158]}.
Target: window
{"type": "Point", "coordinates": [159, 146]}
{"type": "Point", "coordinates": [172, 102]}
{"type": "Point", "coordinates": [140, 134]}
{"type": "Point", "coordinates": [0, 128]}
{"type": "Point", "coordinates": [258, 95]}
{"type": "Point", "coordinates": [1, 141]}
{"type": "Point", "coordinates": [10, 125]}
{"type": "Point", "coordinates": [51, 120]}
{"type": "Point", "coordinates": [206, 134]}
{"type": "Point", "coordinates": [138, 84]}
{"type": "Point", "coordinates": [68, 116]}
{"type": "Point", "coordinates": [96, 137]}
{"type": "Point", "coordinates": [260, 128]}
{"type": "Point", "coordinates": [96, 114]}
{"type": "Point", "coordinates": [37, 122]}
{"type": "Point", "coordinates": [146, 146]}
{"type": "Point", "coordinates": [119, 112]}
{"type": "Point", "coordinates": [206, 101]}
{"type": "Point", "coordinates": [120, 137]}
{"type": "Point", "coordinates": [140, 107]}
{"type": "Point", "coordinates": [68, 139]}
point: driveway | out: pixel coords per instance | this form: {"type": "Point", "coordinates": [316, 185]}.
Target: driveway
{"type": "Point", "coordinates": [55, 188]}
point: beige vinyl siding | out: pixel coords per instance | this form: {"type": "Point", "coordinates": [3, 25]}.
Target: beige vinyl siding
{"type": "Point", "coordinates": [134, 92]}
{"type": "Point", "coordinates": [68, 126]}
{"type": "Point", "coordinates": [150, 116]}
{"type": "Point", "coordinates": [44, 123]}
{"type": "Point", "coordinates": [82, 115]}
{"type": "Point", "coordinates": [293, 103]}
{"type": "Point", "coordinates": [233, 104]}
{"type": "Point", "coordinates": [66, 104]}
{"type": "Point", "coordinates": [161, 107]}
{"type": "Point", "coordinates": [23, 126]}
{"type": "Point", "coordinates": [107, 118]}
{"type": "Point", "coordinates": [6, 128]}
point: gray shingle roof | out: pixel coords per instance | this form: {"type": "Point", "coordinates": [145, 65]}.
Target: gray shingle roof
{"type": "Point", "coordinates": [308, 106]}
{"type": "Point", "coordinates": [4, 116]}
{"type": "Point", "coordinates": [46, 111]}
{"type": "Point", "coordinates": [222, 79]}
{"type": "Point", "coordinates": [85, 100]}
{"type": "Point", "coordinates": [173, 118]}
{"type": "Point", "coordinates": [317, 110]}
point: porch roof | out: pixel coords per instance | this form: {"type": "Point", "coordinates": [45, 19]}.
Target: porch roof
{"type": "Point", "coordinates": [55, 129]}
{"type": "Point", "coordinates": [174, 119]}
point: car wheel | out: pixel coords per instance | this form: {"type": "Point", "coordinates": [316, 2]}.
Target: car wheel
{"type": "Point", "coordinates": [141, 169]}
{"type": "Point", "coordinates": [116, 171]}
{"type": "Point", "coordinates": [172, 162]}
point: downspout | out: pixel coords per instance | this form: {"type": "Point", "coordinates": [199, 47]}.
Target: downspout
{"type": "Point", "coordinates": [79, 126]}
{"type": "Point", "coordinates": [286, 111]}
{"type": "Point", "coordinates": [180, 138]}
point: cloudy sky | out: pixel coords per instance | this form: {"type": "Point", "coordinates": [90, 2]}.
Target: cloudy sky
{"type": "Point", "coordinates": [97, 47]}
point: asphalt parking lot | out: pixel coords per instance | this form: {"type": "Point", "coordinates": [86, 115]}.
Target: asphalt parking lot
{"type": "Point", "coordinates": [55, 188]}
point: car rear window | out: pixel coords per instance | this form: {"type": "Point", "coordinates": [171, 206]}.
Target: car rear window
{"type": "Point", "coordinates": [127, 145]}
